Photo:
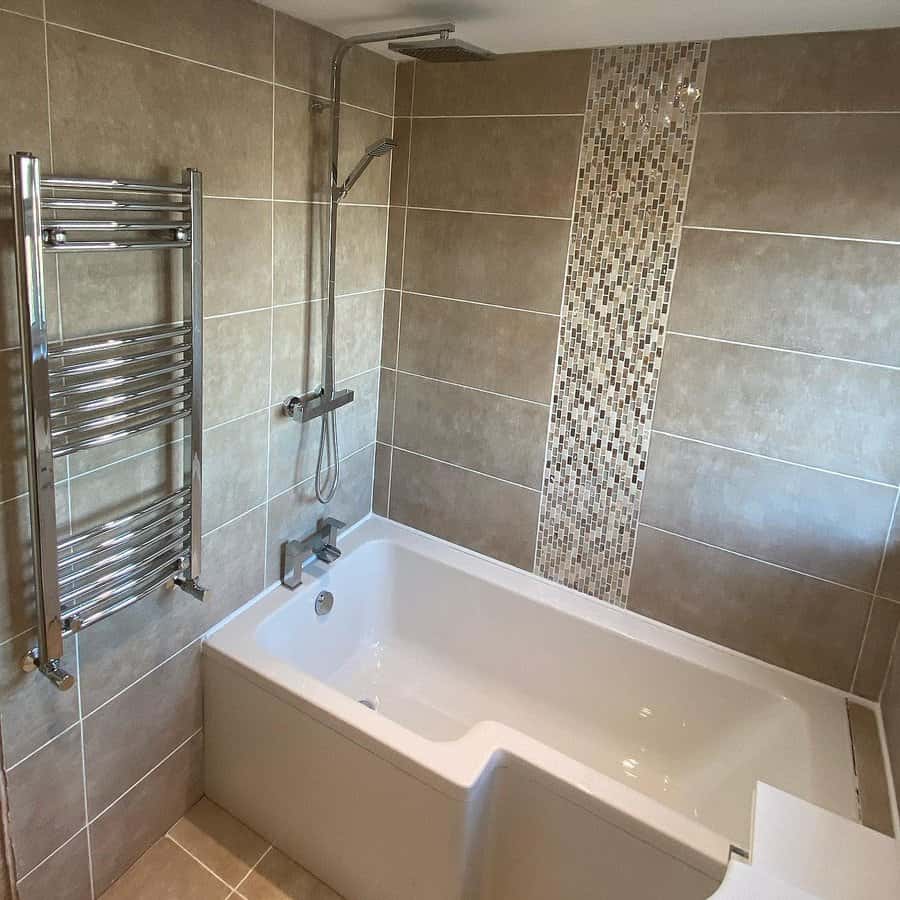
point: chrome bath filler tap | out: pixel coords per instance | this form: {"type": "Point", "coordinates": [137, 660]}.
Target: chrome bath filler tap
{"type": "Point", "coordinates": [324, 402]}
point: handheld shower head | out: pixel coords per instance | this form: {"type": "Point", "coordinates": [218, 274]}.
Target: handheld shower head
{"type": "Point", "coordinates": [373, 151]}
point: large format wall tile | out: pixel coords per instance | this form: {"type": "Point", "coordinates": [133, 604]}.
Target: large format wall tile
{"type": "Point", "coordinates": [875, 654]}
{"type": "Point", "coordinates": [511, 84]}
{"type": "Point", "coordinates": [821, 524]}
{"type": "Point", "coordinates": [889, 585]}
{"type": "Point", "coordinates": [851, 70]}
{"type": "Point", "coordinates": [500, 350]}
{"type": "Point", "coordinates": [301, 247]}
{"type": "Point", "coordinates": [491, 434]}
{"type": "Point", "coordinates": [360, 249]}
{"type": "Point", "coordinates": [301, 147]}
{"type": "Point", "coordinates": [490, 516]}
{"type": "Point", "coordinates": [297, 353]}
{"type": "Point", "coordinates": [23, 100]}
{"type": "Point", "coordinates": [506, 260]}
{"type": "Point", "coordinates": [126, 738]}
{"type": "Point", "coordinates": [512, 165]}
{"type": "Point", "coordinates": [890, 707]}
{"type": "Point", "coordinates": [65, 876]}
{"type": "Point", "coordinates": [786, 619]}
{"type": "Point", "coordinates": [26, 7]}
{"type": "Point", "coordinates": [814, 174]}
{"type": "Point", "coordinates": [837, 298]}
{"type": "Point", "coordinates": [820, 412]}
{"type": "Point", "coordinates": [233, 34]}
{"type": "Point", "coordinates": [122, 111]}
{"type": "Point", "coordinates": [129, 827]}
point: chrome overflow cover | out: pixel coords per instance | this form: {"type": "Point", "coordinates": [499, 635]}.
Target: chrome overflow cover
{"type": "Point", "coordinates": [324, 602]}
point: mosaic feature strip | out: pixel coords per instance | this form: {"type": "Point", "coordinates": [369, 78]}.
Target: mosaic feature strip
{"type": "Point", "coordinates": [640, 129]}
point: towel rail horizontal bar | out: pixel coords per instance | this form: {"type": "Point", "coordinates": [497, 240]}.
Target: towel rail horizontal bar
{"type": "Point", "coordinates": [114, 339]}
{"type": "Point", "coordinates": [117, 399]}
{"type": "Point", "coordinates": [102, 246]}
{"type": "Point", "coordinates": [127, 359]}
{"type": "Point", "coordinates": [114, 225]}
{"type": "Point", "coordinates": [114, 419]}
{"type": "Point", "coordinates": [74, 618]}
{"type": "Point", "coordinates": [112, 580]}
{"type": "Point", "coordinates": [114, 607]}
{"type": "Point", "coordinates": [116, 381]}
{"type": "Point", "coordinates": [113, 559]}
{"type": "Point", "coordinates": [92, 203]}
{"type": "Point", "coordinates": [177, 497]}
{"type": "Point", "coordinates": [66, 449]}
{"type": "Point", "coordinates": [64, 182]}
{"type": "Point", "coordinates": [127, 538]}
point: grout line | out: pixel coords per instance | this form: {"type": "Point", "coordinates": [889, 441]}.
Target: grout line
{"type": "Point", "coordinates": [252, 869]}
{"type": "Point", "coordinates": [199, 862]}
{"type": "Point", "coordinates": [469, 387]}
{"type": "Point", "coordinates": [562, 299]}
{"type": "Point", "coordinates": [146, 775]}
{"type": "Point", "coordinates": [484, 212]}
{"type": "Point", "coordinates": [803, 112]}
{"type": "Point", "coordinates": [303, 481]}
{"type": "Point", "coordinates": [138, 680]}
{"type": "Point", "coordinates": [84, 765]}
{"type": "Point", "coordinates": [236, 312]}
{"type": "Point", "coordinates": [517, 309]}
{"type": "Point", "coordinates": [862, 644]}
{"type": "Point", "coordinates": [785, 462]}
{"type": "Point", "coordinates": [549, 115]}
{"type": "Point", "coordinates": [887, 539]}
{"type": "Point", "coordinates": [757, 559]}
{"type": "Point", "coordinates": [841, 359]}
{"type": "Point", "coordinates": [793, 234]}
{"type": "Point", "coordinates": [47, 743]}
{"type": "Point", "coordinates": [368, 109]}
{"type": "Point", "coordinates": [16, 12]}
{"type": "Point", "coordinates": [233, 519]}
{"type": "Point", "coordinates": [67, 841]}
{"type": "Point", "coordinates": [240, 199]}
{"type": "Point", "coordinates": [447, 462]}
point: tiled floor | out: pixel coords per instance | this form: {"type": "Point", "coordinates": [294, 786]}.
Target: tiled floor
{"type": "Point", "coordinates": [210, 855]}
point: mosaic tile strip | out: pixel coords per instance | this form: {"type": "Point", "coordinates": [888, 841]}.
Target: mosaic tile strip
{"type": "Point", "coordinates": [640, 128]}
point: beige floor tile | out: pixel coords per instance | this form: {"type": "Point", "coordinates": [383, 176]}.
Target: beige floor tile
{"type": "Point", "coordinates": [219, 840]}
{"type": "Point", "coordinates": [166, 872]}
{"type": "Point", "coordinates": [279, 878]}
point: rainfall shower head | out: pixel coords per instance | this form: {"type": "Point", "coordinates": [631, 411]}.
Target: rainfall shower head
{"type": "Point", "coordinates": [444, 49]}
{"type": "Point", "coordinates": [373, 151]}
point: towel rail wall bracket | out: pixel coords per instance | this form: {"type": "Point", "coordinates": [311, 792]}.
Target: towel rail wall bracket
{"type": "Point", "coordinates": [90, 392]}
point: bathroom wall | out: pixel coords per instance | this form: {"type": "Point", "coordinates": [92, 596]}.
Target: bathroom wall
{"type": "Point", "coordinates": [143, 90]}
{"type": "Point", "coordinates": [723, 423]}
{"type": "Point", "coordinates": [890, 711]}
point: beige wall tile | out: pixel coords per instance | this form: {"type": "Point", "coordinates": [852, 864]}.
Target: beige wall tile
{"type": "Point", "coordinates": [511, 165]}
{"type": "Point", "coordinates": [382, 479]}
{"type": "Point", "coordinates": [851, 70]}
{"type": "Point", "coordinates": [34, 711]}
{"type": "Point", "coordinates": [301, 147]}
{"type": "Point", "coordinates": [219, 841]}
{"type": "Point", "coordinates": [301, 252]}
{"type": "Point", "coordinates": [129, 827]}
{"type": "Point", "coordinates": [26, 7]}
{"type": "Point", "coordinates": [808, 174]}
{"type": "Point", "coordinates": [386, 393]}
{"type": "Point", "coordinates": [494, 435]}
{"type": "Point", "coordinates": [126, 738]}
{"type": "Point", "coordinates": [403, 88]}
{"type": "Point", "coordinates": [499, 350]}
{"type": "Point", "coordinates": [65, 876]}
{"type": "Point", "coordinates": [400, 162]}
{"type": "Point", "coordinates": [357, 328]}
{"type": "Point", "coordinates": [393, 276]}
{"type": "Point", "coordinates": [165, 870]}
{"type": "Point", "coordinates": [359, 129]}
{"type": "Point", "coordinates": [890, 710]}
{"type": "Point", "coordinates": [788, 620]}
{"type": "Point", "coordinates": [361, 248]}
{"type": "Point", "coordinates": [478, 512]}
{"type": "Point", "coordinates": [509, 84]}
{"type": "Point", "coordinates": [23, 102]}
{"type": "Point", "coordinates": [871, 777]}
{"type": "Point", "coordinates": [119, 650]}
{"type": "Point", "coordinates": [876, 649]}
{"type": "Point", "coordinates": [122, 111]}
{"type": "Point", "coordinates": [820, 524]}
{"type": "Point", "coordinates": [390, 328]}
{"type": "Point", "coordinates": [295, 447]}
{"type": "Point", "coordinates": [237, 256]}
{"type": "Point", "coordinates": [889, 583]}
{"type": "Point", "coordinates": [236, 366]}
{"type": "Point", "coordinates": [13, 474]}
{"type": "Point", "coordinates": [295, 513]}
{"type": "Point", "coordinates": [233, 34]}
{"type": "Point", "coordinates": [234, 476]}
{"type": "Point", "coordinates": [46, 800]}
{"type": "Point", "coordinates": [830, 297]}
{"type": "Point", "coordinates": [506, 260]}
{"type": "Point", "coordinates": [821, 412]}
{"type": "Point", "coordinates": [297, 353]}
{"type": "Point", "coordinates": [303, 60]}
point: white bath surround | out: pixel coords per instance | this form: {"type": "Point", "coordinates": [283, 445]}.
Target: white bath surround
{"type": "Point", "coordinates": [527, 741]}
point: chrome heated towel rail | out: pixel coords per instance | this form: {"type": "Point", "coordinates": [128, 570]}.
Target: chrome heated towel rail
{"type": "Point", "coordinates": [93, 391]}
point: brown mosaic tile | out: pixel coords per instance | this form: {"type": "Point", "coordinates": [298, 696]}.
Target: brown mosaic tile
{"type": "Point", "coordinates": [638, 142]}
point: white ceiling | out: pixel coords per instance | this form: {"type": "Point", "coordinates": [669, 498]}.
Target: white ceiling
{"type": "Point", "coordinates": [506, 26]}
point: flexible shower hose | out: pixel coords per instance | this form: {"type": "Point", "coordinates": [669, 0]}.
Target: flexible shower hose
{"type": "Point", "coordinates": [328, 437]}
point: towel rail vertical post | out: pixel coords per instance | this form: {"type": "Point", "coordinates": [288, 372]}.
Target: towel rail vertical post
{"type": "Point", "coordinates": [25, 170]}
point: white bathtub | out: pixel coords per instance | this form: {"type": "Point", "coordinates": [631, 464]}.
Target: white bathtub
{"type": "Point", "coordinates": [527, 742]}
